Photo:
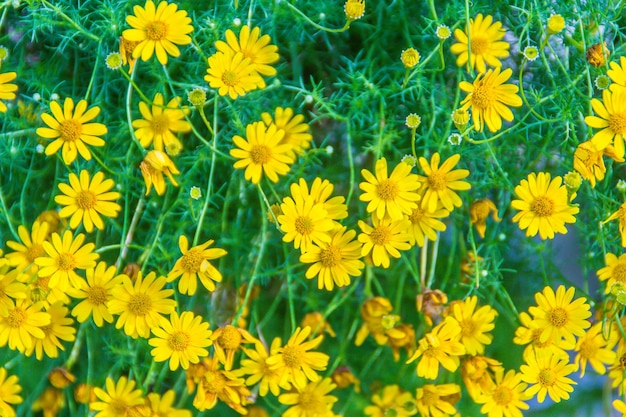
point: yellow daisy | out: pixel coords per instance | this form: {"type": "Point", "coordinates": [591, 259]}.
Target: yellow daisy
{"type": "Point", "coordinates": [70, 130]}
{"type": "Point", "coordinates": [611, 118]}
{"type": "Point", "coordinates": [11, 288]}
{"type": "Point", "coordinates": [159, 124]}
{"type": "Point", "coordinates": [441, 346]}
{"type": "Point", "coordinates": [195, 264]}
{"type": "Point", "coordinates": [617, 370]}
{"type": "Point", "coordinates": [426, 224]}
{"type": "Point", "coordinates": [259, 372]}
{"type": "Point", "coordinates": [546, 373]}
{"type": "Point", "coordinates": [295, 359]}
{"type": "Point", "coordinates": [141, 305]}
{"type": "Point", "coordinates": [232, 74]}
{"type": "Point", "coordinates": [614, 272]}
{"type": "Point", "coordinates": [440, 183]}
{"type": "Point", "coordinates": [261, 153]}
{"type": "Point", "coordinates": [489, 97]}
{"type": "Point", "coordinates": [182, 340]}
{"type": "Point", "coordinates": [311, 400]}
{"type": "Point", "coordinates": [620, 406]}
{"type": "Point", "coordinates": [588, 162]}
{"type": "Point", "coordinates": [30, 248]}
{"type": "Point", "coordinates": [543, 206]}
{"type": "Point", "coordinates": [158, 30]}
{"type": "Point", "coordinates": [529, 333]}
{"type": "Point", "coordinates": [386, 237]}
{"type": "Point", "coordinates": [475, 324]}
{"type": "Point", "coordinates": [431, 399]}
{"type": "Point", "coordinates": [391, 401]}
{"type": "Point", "coordinates": [7, 89]}
{"type": "Point", "coordinates": [22, 322]}
{"type": "Point", "coordinates": [480, 44]}
{"type": "Point", "coordinates": [393, 195]}
{"type": "Point", "coordinates": [297, 132]}
{"type": "Point", "coordinates": [559, 316]}
{"type": "Point", "coordinates": [163, 405]}
{"type": "Point", "coordinates": [227, 340]}
{"type": "Point", "coordinates": [506, 398]}
{"type": "Point", "coordinates": [85, 199]}
{"type": "Point", "coordinates": [320, 191]}
{"type": "Point", "coordinates": [60, 328]}
{"type": "Point", "coordinates": [336, 261]}
{"type": "Point", "coordinates": [64, 255]}
{"type": "Point", "coordinates": [219, 384]}
{"type": "Point", "coordinates": [153, 166]}
{"type": "Point", "coordinates": [620, 215]}
{"type": "Point", "coordinates": [617, 74]}
{"type": "Point", "coordinates": [96, 295]}
{"type": "Point", "coordinates": [254, 47]}
{"type": "Point", "coordinates": [478, 373]}
{"type": "Point", "coordinates": [118, 398]}
{"type": "Point", "coordinates": [594, 349]}
{"type": "Point", "coordinates": [9, 393]}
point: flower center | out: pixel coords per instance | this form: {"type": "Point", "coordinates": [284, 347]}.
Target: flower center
{"type": "Point", "coordinates": [34, 252]}
{"type": "Point", "coordinates": [160, 124]}
{"type": "Point", "coordinates": [546, 377]}
{"type": "Point", "coordinates": [381, 235]}
{"type": "Point", "coordinates": [543, 206]}
{"type": "Point", "coordinates": [260, 154]}
{"type": "Point", "coordinates": [588, 349]}
{"type": "Point", "coordinates": [292, 356]}
{"type": "Point", "coordinates": [502, 395]}
{"type": "Point", "coordinates": [119, 406]}
{"type": "Point", "coordinates": [429, 398]}
{"type": "Point", "coordinates": [558, 317]}
{"type": "Point", "coordinates": [70, 130]}
{"type": "Point", "coordinates": [214, 382]}
{"type": "Point", "coordinates": [387, 190]}
{"type": "Point", "coordinates": [230, 78]}
{"type": "Point", "coordinates": [192, 261]}
{"type": "Point", "coordinates": [179, 341]}
{"type": "Point", "coordinates": [86, 200]}
{"type": "Point", "coordinates": [482, 96]}
{"type": "Point", "coordinates": [156, 30]}
{"type": "Point", "coordinates": [468, 327]}
{"type": "Point", "coordinates": [417, 215]}
{"type": "Point", "coordinates": [66, 262]}
{"type": "Point", "coordinates": [617, 123]}
{"type": "Point", "coordinates": [479, 45]}
{"type": "Point", "coordinates": [304, 225]}
{"type": "Point", "coordinates": [16, 317]}
{"type": "Point", "coordinates": [331, 256]}
{"type": "Point", "coordinates": [536, 338]}
{"type": "Point", "coordinates": [436, 181]}
{"type": "Point", "coordinates": [308, 401]}
{"type": "Point", "coordinates": [230, 338]}
{"type": "Point", "coordinates": [619, 273]}
{"type": "Point", "coordinates": [140, 304]}
{"type": "Point", "coordinates": [97, 295]}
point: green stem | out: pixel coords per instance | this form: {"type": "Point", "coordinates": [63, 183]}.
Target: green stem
{"type": "Point", "coordinates": [345, 27]}
{"type": "Point", "coordinates": [57, 10]}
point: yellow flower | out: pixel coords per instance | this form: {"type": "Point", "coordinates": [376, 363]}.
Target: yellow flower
{"type": "Point", "coordinates": [261, 152]}
{"type": "Point", "coordinates": [594, 349]}
{"type": "Point", "coordinates": [195, 264]}
{"type": "Point", "coordinates": [60, 377]}
{"type": "Point", "coordinates": [153, 166]}
{"type": "Point", "coordinates": [597, 54]}
{"type": "Point", "coordinates": [158, 30]}
{"type": "Point", "coordinates": [216, 383]}
{"type": "Point", "coordinates": [481, 44]}
{"type": "Point", "coordinates": [118, 398]}
{"type": "Point", "coordinates": [543, 206]}
{"type": "Point", "coordinates": [440, 183]}
{"type": "Point", "coordinates": [617, 370]}
{"type": "Point", "coordinates": [30, 248]}
{"type": "Point", "coordinates": [297, 132]}
{"type": "Point", "coordinates": [475, 324]}
{"type": "Point", "coordinates": [7, 89]}
{"type": "Point", "coordinates": [439, 347]}
{"type": "Point", "coordinates": [343, 378]}
{"type": "Point", "coordinates": [70, 130]}
{"type": "Point", "coordinates": [86, 199]}
{"type": "Point", "coordinates": [311, 400]}
{"type": "Point", "coordinates": [479, 211]}
{"type": "Point", "coordinates": [430, 399]}
{"type": "Point", "coordinates": [316, 321]}
{"type": "Point", "coordinates": [227, 340]}
{"type": "Point", "coordinates": [96, 295]}
{"type": "Point", "coordinates": [258, 370]}
{"type": "Point", "coordinates": [63, 257]}
{"type": "Point", "coordinates": [11, 288]}
{"type": "Point", "coordinates": [529, 333]}
{"type": "Point", "coordinates": [611, 118]}
{"type": "Point", "coordinates": [297, 362]}
{"type": "Point", "coordinates": [559, 316]}
{"type": "Point", "coordinates": [126, 52]}
{"type": "Point", "coordinates": [620, 406]}
{"type": "Point", "coordinates": [141, 306]}
{"type": "Point", "coordinates": [621, 215]}
{"type": "Point", "coordinates": [614, 271]}
{"type": "Point", "coordinates": [489, 97]}
{"type": "Point", "coordinates": [162, 405]}
{"type": "Point", "coordinates": [506, 398]}
{"type": "Point", "coordinates": [410, 58]}
{"type": "Point", "coordinates": [426, 224]}
{"type": "Point", "coordinates": [556, 23]}
{"type": "Point", "coordinates": [320, 192]}
{"type": "Point", "coordinates": [392, 195]}
{"type": "Point", "coordinates": [254, 47]}
{"type": "Point", "coordinates": [159, 124]}
{"type": "Point", "coordinates": [9, 393]}
{"type": "Point", "coordinates": [478, 374]}
{"type": "Point", "coordinates": [60, 328]}
{"type": "Point", "coordinates": [335, 261]}
{"type": "Point", "coordinates": [378, 322]}
{"type": "Point", "coordinates": [547, 372]}
{"type": "Point", "coordinates": [22, 322]}
{"type": "Point", "coordinates": [588, 162]}
{"type": "Point", "coordinates": [354, 9]}
{"type": "Point", "coordinates": [386, 237]}
{"type": "Point", "coordinates": [391, 401]}
{"type": "Point", "coordinates": [182, 340]}
{"type": "Point", "coordinates": [617, 74]}
{"type": "Point", "coordinates": [232, 74]}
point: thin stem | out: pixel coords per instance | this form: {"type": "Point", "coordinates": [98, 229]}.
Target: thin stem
{"type": "Point", "coordinates": [345, 27]}
{"type": "Point", "coordinates": [68, 19]}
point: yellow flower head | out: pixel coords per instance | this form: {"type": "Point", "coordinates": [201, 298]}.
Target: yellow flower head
{"type": "Point", "coordinates": [440, 183]}
{"type": "Point", "coordinates": [232, 74]}
{"type": "Point", "coordinates": [7, 89]}
{"type": "Point", "coordinates": [547, 374]}
{"type": "Point", "coordinates": [160, 124]}
{"type": "Point", "coordinates": [256, 367]}
{"type": "Point", "coordinates": [410, 58]}
{"type": "Point", "coordinates": [476, 323]}
{"type": "Point", "coordinates": [118, 396]}
{"type": "Point", "coordinates": [70, 131]}
{"type": "Point", "coordinates": [588, 162]}
{"type": "Point", "coordinates": [620, 215]}
{"type": "Point", "coordinates": [297, 132]}
{"type": "Point", "coordinates": [9, 393]}
{"type": "Point", "coordinates": [391, 401]}
{"type": "Point", "coordinates": [617, 73]}
{"type": "Point", "coordinates": [158, 29]}
{"type": "Point", "coordinates": [611, 119]}
{"type": "Point", "coordinates": [21, 324]}
{"type": "Point", "coordinates": [310, 400]}
{"type": "Point", "coordinates": [443, 32]}
{"type": "Point", "coordinates": [354, 9]}
{"type": "Point", "coordinates": [543, 206]}
{"type": "Point", "coordinates": [556, 23]}
{"type": "Point", "coordinates": [227, 340]}
{"type": "Point", "coordinates": [30, 248]}
{"type": "Point", "coordinates": [61, 377]}
{"type": "Point", "coordinates": [258, 49]}
{"type": "Point", "coordinates": [195, 264]}
{"type": "Point", "coordinates": [126, 52]}
{"type": "Point", "coordinates": [479, 211]}
{"type": "Point", "coordinates": [614, 272]}
{"type": "Point", "coordinates": [343, 378]}
{"type": "Point", "coordinates": [386, 237]}
{"type": "Point", "coordinates": [153, 166]}
{"type": "Point", "coordinates": [412, 121]}
{"type": "Point", "coordinates": [594, 349]}
{"type": "Point", "coordinates": [426, 224]}
{"type": "Point", "coordinates": [507, 396]}
{"type": "Point", "coordinates": [59, 328]}
{"type": "Point", "coordinates": [431, 399]}
{"type": "Point", "coordinates": [480, 44]}
{"type": "Point", "coordinates": [478, 374]}
{"type": "Point", "coordinates": [489, 97]}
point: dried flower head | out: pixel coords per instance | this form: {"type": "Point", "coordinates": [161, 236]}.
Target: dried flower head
{"type": "Point", "coordinates": [598, 54]}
